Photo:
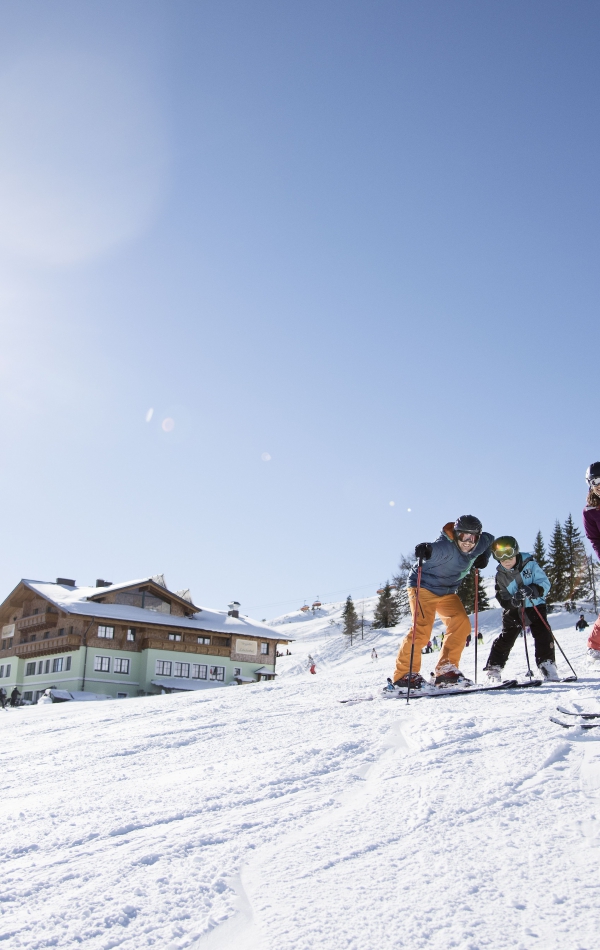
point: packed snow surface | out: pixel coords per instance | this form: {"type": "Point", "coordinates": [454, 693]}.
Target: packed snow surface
{"type": "Point", "coordinates": [273, 816]}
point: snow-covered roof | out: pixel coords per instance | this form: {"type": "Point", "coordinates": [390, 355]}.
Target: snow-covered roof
{"type": "Point", "coordinates": [74, 600]}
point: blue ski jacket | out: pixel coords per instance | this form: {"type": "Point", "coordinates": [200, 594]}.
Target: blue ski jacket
{"type": "Point", "coordinates": [526, 571]}
{"type": "Point", "coordinates": [447, 566]}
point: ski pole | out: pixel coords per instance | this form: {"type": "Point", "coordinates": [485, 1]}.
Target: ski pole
{"type": "Point", "coordinates": [546, 624]}
{"type": "Point", "coordinates": [524, 625]}
{"type": "Point", "coordinates": [414, 629]}
{"type": "Point", "coordinates": [476, 616]}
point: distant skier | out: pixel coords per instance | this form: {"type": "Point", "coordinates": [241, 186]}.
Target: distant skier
{"type": "Point", "coordinates": [374, 654]}
{"type": "Point", "coordinates": [480, 639]}
{"type": "Point", "coordinates": [591, 512]}
{"type": "Point", "coordinates": [3, 697]}
{"type": "Point", "coordinates": [581, 623]}
{"type": "Point", "coordinates": [435, 643]}
{"type": "Point", "coordinates": [312, 667]}
{"type": "Point", "coordinates": [445, 562]}
{"type": "Point", "coordinates": [14, 697]}
{"type": "Point", "coordinates": [521, 588]}
{"type": "Point", "coordinates": [468, 642]}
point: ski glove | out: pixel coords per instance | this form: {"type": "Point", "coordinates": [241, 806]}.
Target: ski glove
{"type": "Point", "coordinates": [481, 561]}
{"type": "Point", "coordinates": [424, 550]}
{"type": "Point", "coordinates": [518, 599]}
{"type": "Point", "coordinates": [534, 590]}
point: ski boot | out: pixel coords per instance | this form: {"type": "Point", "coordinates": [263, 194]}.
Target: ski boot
{"type": "Point", "coordinates": [416, 681]}
{"type": "Point", "coordinates": [494, 674]}
{"type": "Point", "coordinates": [549, 671]}
{"type": "Point", "coordinates": [449, 675]}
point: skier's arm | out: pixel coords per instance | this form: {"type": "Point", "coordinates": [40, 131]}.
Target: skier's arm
{"type": "Point", "coordinates": [591, 524]}
{"type": "Point", "coordinates": [540, 578]}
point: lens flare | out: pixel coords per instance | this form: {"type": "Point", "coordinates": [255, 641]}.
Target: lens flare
{"type": "Point", "coordinates": [266, 457]}
{"type": "Point", "coordinates": [168, 425]}
{"type": "Point", "coordinates": [149, 415]}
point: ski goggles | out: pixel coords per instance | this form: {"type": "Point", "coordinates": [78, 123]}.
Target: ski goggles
{"type": "Point", "coordinates": [467, 537]}
{"type": "Point", "coordinates": [594, 482]}
{"type": "Point", "coordinates": [504, 552]}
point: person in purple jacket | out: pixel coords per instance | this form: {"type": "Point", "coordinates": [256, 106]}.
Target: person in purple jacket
{"type": "Point", "coordinates": [591, 512]}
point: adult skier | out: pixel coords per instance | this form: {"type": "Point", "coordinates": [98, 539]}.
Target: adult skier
{"type": "Point", "coordinates": [591, 512]}
{"type": "Point", "coordinates": [445, 562]}
{"type": "Point", "coordinates": [521, 588]}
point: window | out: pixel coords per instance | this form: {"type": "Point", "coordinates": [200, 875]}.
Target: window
{"type": "Point", "coordinates": [107, 632]}
{"type": "Point", "coordinates": [30, 669]}
{"type": "Point", "coordinates": [182, 669]}
{"type": "Point", "coordinates": [237, 671]}
{"type": "Point", "coordinates": [1, 671]}
{"type": "Point", "coordinates": [143, 599]}
{"type": "Point", "coordinates": [101, 664]}
{"type": "Point", "coordinates": [61, 632]}
{"type": "Point", "coordinates": [33, 638]}
{"type": "Point", "coordinates": [46, 635]}
{"type": "Point", "coordinates": [131, 634]}
{"type": "Point", "coordinates": [198, 671]}
{"type": "Point", "coordinates": [47, 666]}
{"type": "Point", "coordinates": [175, 636]}
{"type": "Point", "coordinates": [68, 663]}
{"type": "Point", "coordinates": [264, 649]}
{"type": "Point", "coordinates": [217, 673]}
{"type": "Point", "coordinates": [27, 697]}
{"type": "Point", "coordinates": [120, 665]}
{"type": "Point", "coordinates": [8, 670]}
{"type": "Point", "coordinates": [122, 695]}
{"type": "Point", "coordinates": [40, 667]}
{"type": "Point", "coordinates": [163, 667]}
{"type": "Point", "coordinates": [57, 664]}
{"type": "Point", "coordinates": [205, 640]}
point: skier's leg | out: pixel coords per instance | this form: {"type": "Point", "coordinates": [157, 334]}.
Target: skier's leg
{"type": "Point", "coordinates": [458, 627]}
{"type": "Point", "coordinates": [503, 644]}
{"type": "Point", "coordinates": [544, 643]}
{"type": "Point", "coordinates": [424, 625]}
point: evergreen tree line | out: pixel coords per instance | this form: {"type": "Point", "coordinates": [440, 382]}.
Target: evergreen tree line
{"type": "Point", "coordinates": [573, 573]}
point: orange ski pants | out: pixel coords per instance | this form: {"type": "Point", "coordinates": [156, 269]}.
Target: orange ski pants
{"type": "Point", "coordinates": [451, 612]}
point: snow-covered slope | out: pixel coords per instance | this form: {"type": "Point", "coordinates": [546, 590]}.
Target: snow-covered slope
{"type": "Point", "coordinates": [273, 816]}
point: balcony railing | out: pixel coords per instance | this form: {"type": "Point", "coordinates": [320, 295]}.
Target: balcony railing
{"type": "Point", "coordinates": [55, 645]}
{"type": "Point", "coordinates": [37, 622]}
{"type": "Point", "coordinates": [178, 646]}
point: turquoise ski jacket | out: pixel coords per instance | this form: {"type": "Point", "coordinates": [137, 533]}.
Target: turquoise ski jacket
{"type": "Point", "coordinates": [526, 571]}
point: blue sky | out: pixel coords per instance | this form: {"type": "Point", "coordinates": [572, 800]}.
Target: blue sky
{"type": "Point", "coordinates": [358, 238]}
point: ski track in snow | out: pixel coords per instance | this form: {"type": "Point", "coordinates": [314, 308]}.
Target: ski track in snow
{"type": "Point", "coordinates": [272, 817]}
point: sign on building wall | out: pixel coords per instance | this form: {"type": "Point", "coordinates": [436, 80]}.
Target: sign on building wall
{"type": "Point", "coordinates": [246, 646]}
{"type": "Point", "coordinates": [8, 630]}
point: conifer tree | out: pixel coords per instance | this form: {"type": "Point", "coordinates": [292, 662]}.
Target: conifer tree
{"type": "Point", "coordinates": [576, 571]}
{"type": "Point", "coordinates": [350, 618]}
{"type": "Point", "coordinates": [387, 613]}
{"type": "Point", "coordinates": [557, 566]}
{"type": "Point", "coordinates": [466, 592]}
{"type": "Point", "coordinates": [400, 580]}
{"type": "Point", "coordinates": [539, 551]}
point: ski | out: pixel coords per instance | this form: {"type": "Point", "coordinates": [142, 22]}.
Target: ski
{"type": "Point", "coordinates": [458, 691]}
{"type": "Point", "coordinates": [575, 725]}
{"type": "Point", "coordinates": [568, 712]}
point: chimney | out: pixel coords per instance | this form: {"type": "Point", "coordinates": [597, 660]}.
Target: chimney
{"type": "Point", "coordinates": [101, 583]}
{"type": "Point", "coordinates": [234, 609]}
{"type": "Point", "coordinates": [65, 582]}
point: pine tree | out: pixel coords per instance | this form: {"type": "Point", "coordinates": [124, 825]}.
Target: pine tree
{"type": "Point", "coordinates": [557, 566]}
{"type": "Point", "coordinates": [387, 612]}
{"type": "Point", "coordinates": [400, 580]}
{"type": "Point", "coordinates": [350, 618]}
{"type": "Point", "coordinates": [466, 592]}
{"type": "Point", "coordinates": [576, 572]}
{"type": "Point", "coordinates": [539, 551]}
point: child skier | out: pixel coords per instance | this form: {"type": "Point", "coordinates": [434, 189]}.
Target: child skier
{"type": "Point", "coordinates": [446, 561]}
{"type": "Point", "coordinates": [521, 588]}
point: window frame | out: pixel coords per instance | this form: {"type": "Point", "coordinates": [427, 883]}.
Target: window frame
{"type": "Point", "coordinates": [199, 667]}
{"type": "Point", "coordinates": [119, 662]}
{"type": "Point", "coordinates": [184, 670]}
{"type": "Point", "coordinates": [217, 678]}
{"type": "Point", "coordinates": [58, 664]}
{"type": "Point", "coordinates": [105, 636]}
{"type": "Point", "coordinates": [28, 668]}
{"type": "Point", "coordinates": [99, 664]}
{"type": "Point", "coordinates": [162, 672]}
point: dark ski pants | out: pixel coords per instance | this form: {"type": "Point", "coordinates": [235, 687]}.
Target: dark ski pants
{"type": "Point", "coordinates": [511, 628]}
